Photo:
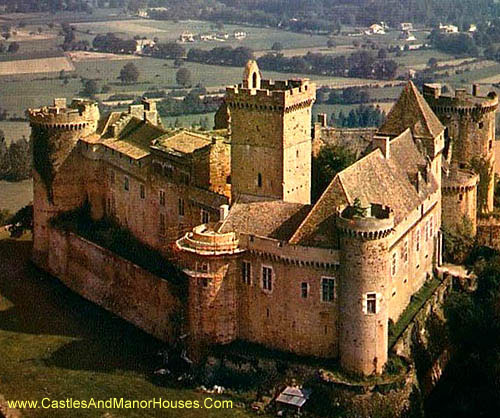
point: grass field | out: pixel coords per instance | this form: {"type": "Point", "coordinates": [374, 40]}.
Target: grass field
{"type": "Point", "coordinates": [13, 196]}
{"type": "Point", "coordinates": [54, 344]}
{"type": "Point", "coordinates": [35, 66]}
{"type": "Point", "coordinates": [257, 38]}
{"type": "Point", "coordinates": [15, 130]}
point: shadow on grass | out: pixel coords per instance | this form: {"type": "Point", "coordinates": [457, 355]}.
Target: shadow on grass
{"type": "Point", "coordinates": [39, 304]}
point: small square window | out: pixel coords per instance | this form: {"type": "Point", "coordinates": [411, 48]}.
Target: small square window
{"type": "Point", "coordinates": [246, 272]}
{"type": "Point", "coordinates": [371, 303]}
{"type": "Point", "coordinates": [304, 290]}
{"type": "Point", "coordinates": [327, 289]}
{"type": "Point", "coordinates": [181, 207]}
{"type": "Point", "coordinates": [267, 278]}
{"type": "Point", "coordinates": [205, 216]}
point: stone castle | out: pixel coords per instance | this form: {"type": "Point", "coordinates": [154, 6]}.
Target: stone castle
{"type": "Point", "coordinates": [262, 263]}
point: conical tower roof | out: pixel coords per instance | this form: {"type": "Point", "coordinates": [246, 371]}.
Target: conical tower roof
{"type": "Point", "coordinates": [412, 111]}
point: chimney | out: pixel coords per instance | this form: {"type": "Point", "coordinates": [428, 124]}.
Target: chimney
{"type": "Point", "coordinates": [384, 143]}
{"type": "Point", "coordinates": [223, 212]}
{"type": "Point", "coordinates": [322, 119]}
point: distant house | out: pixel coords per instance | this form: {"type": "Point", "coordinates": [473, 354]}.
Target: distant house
{"type": "Point", "coordinates": [186, 37]}
{"type": "Point", "coordinates": [406, 26]}
{"type": "Point", "coordinates": [448, 28]}
{"type": "Point", "coordinates": [239, 35]}
{"type": "Point", "coordinates": [142, 13]}
{"type": "Point", "coordinates": [472, 28]}
{"type": "Point", "coordinates": [407, 36]}
{"type": "Point", "coordinates": [375, 29]}
{"type": "Point", "coordinates": [141, 44]}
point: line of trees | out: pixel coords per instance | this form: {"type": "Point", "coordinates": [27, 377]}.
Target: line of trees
{"type": "Point", "coordinates": [361, 117]}
{"type": "Point", "coordinates": [226, 55]}
{"type": "Point", "coordinates": [15, 159]}
{"type": "Point", "coordinates": [362, 64]}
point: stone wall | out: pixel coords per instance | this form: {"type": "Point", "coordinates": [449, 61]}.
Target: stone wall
{"type": "Point", "coordinates": [356, 140]}
{"type": "Point", "coordinates": [488, 232]}
{"type": "Point", "coordinates": [143, 299]}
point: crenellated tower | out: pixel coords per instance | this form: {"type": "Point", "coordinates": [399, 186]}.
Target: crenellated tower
{"type": "Point", "coordinates": [271, 140]}
{"type": "Point", "coordinates": [470, 131]}
{"type": "Point", "coordinates": [57, 185]}
{"type": "Point", "coordinates": [364, 288]}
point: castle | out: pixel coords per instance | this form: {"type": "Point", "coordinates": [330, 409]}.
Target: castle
{"type": "Point", "coordinates": [263, 264]}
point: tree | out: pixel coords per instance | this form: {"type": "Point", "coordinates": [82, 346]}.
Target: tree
{"type": "Point", "coordinates": [20, 160]}
{"type": "Point", "coordinates": [331, 43]}
{"type": "Point", "coordinates": [5, 215]}
{"type": "Point", "coordinates": [277, 46]}
{"type": "Point", "coordinates": [129, 73]}
{"type": "Point", "coordinates": [382, 54]}
{"type": "Point", "coordinates": [90, 88]}
{"type": "Point", "coordinates": [21, 222]}
{"type": "Point", "coordinates": [329, 161]}
{"type": "Point", "coordinates": [13, 47]}
{"type": "Point", "coordinates": [432, 63]}
{"type": "Point", "coordinates": [183, 77]}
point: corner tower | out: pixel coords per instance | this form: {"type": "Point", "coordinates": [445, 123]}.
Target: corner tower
{"type": "Point", "coordinates": [364, 288]}
{"type": "Point", "coordinates": [55, 131]}
{"type": "Point", "coordinates": [271, 140]}
{"type": "Point", "coordinates": [470, 129]}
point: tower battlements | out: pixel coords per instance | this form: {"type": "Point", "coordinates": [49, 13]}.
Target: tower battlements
{"type": "Point", "coordinates": [460, 181]}
{"type": "Point", "coordinates": [377, 223]}
{"type": "Point", "coordinates": [204, 240]}
{"type": "Point", "coordinates": [463, 102]}
{"type": "Point", "coordinates": [275, 96]}
{"type": "Point", "coordinates": [80, 114]}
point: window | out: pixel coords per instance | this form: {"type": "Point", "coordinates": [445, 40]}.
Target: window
{"type": "Point", "coordinates": [142, 191]}
{"type": "Point", "coordinates": [162, 224]}
{"type": "Point", "coordinates": [162, 197]}
{"type": "Point", "coordinates": [259, 180]}
{"type": "Point", "coordinates": [417, 240]}
{"type": "Point", "coordinates": [460, 197]}
{"type": "Point", "coordinates": [304, 290]}
{"type": "Point", "coordinates": [394, 264]}
{"type": "Point", "coordinates": [246, 272]}
{"type": "Point", "coordinates": [112, 177]}
{"type": "Point", "coordinates": [481, 125]}
{"type": "Point", "coordinates": [204, 267]}
{"type": "Point", "coordinates": [404, 252]}
{"type": "Point", "coordinates": [371, 303]}
{"type": "Point", "coordinates": [431, 227]}
{"type": "Point", "coordinates": [205, 282]}
{"type": "Point", "coordinates": [426, 231]}
{"type": "Point", "coordinates": [267, 278]}
{"type": "Point", "coordinates": [490, 144]}
{"type": "Point", "coordinates": [205, 216]}
{"type": "Point", "coordinates": [327, 289]}
{"type": "Point", "coordinates": [181, 207]}
{"type": "Point", "coordinates": [126, 184]}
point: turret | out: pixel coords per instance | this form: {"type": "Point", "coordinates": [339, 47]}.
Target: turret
{"type": "Point", "coordinates": [364, 288]}
{"type": "Point", "coordinates": [209, 260]}
{"type": "Point", "coordinates": [55, 132]}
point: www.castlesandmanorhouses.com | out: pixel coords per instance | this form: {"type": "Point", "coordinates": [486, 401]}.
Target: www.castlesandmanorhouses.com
{"type": "Point", "coordinates": [121, 403]}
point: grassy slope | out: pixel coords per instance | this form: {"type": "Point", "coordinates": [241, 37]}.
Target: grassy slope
{"type": "Point", "coordinates": [54, 344]}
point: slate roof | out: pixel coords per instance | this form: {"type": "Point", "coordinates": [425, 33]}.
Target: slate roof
{"type": "Point", "coordinates": [183, 141]}
{"type": "Point", "coordinates": [412, 111]}
{"type": "Point", "coordinates": [266, 218]}
{"type": "Point", "coordinates": [372, 179]}
{"type": "Point", "coordinates": [135, 139]}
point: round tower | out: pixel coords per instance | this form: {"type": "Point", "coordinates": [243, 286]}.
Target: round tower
{"type": "Point", "coordinates": [459, 201]}
{"type": "Point", "coordinates": [209, 259]}
{"type": "Point", "coordinates": [58, 181]}
{"type": "Point", "coordinates": [364, 287]}
{"type": "Point", "coordinates": [470, 126]}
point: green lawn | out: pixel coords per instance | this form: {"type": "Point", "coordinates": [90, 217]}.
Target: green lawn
{"type": "Point", "coordinates": [54, 344]}
{"type": "Point", "coordinates": [13, 196]}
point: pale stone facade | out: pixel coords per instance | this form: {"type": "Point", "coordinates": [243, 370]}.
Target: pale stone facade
{"type": "Point", "coordinates": [263, 265]}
